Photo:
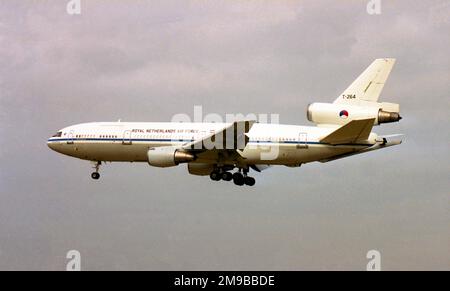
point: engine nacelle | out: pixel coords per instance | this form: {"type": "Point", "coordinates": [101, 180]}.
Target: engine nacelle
{"type": "Point", "coordinates": [330, 113]}
{"type": "Point", "coordinates": [200, 169]}
{"type": "Point", "coordinates": [164, 157]}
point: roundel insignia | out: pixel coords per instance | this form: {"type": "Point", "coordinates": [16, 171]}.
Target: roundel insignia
{"type": "Point", "coordinates": [343, 114]}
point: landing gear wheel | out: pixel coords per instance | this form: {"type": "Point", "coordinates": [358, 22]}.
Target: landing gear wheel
{"type": "Point", "coordinates": [227, 176]}
{"type": "Point", "coordinates": [215, 176]}
{"type": "Point", "coordinates": [95, 176]}
{"type": "Point", "coordinates": [238, 179]}
{"type": "Point", "coordinates": [249, 181]}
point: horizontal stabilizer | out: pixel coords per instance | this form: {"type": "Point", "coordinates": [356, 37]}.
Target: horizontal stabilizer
{"type": "Point", "coordinates": [377, 146]}
{"type": "Point", "coordinates": [391, 135]}
{"type": "Point", "coordinates": [355, 130]}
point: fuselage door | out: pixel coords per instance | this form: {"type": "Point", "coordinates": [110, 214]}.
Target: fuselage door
{"type": "Point", "coordinates": [302, 142]}
{"type": "Point", "coordinates": [70, 137]}
{"type": "Point", "coordinates": [126, 137]}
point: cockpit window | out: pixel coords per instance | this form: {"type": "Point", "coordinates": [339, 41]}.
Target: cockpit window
{"type": "Point", "coordinates": [58, 134]}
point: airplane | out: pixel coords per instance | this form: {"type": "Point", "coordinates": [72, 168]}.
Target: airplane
{"type": "Point", "coordinates": [342, 129]}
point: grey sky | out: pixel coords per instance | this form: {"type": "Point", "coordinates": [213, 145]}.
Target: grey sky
{"type": "Point", "coordinates": [145, 61]}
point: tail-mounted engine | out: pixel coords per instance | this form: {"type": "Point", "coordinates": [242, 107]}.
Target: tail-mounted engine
{"type": "Point", "coordinates": [328, 113]}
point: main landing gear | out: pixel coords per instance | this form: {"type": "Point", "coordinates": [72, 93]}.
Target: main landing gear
{"type": "Point", "coordinates": [238, 178]}
{"type": "Point", "coordinates": [96, 175]}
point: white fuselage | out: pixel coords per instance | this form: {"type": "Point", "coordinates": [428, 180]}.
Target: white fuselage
{"type": "Point", "coordinates": [270, 144]}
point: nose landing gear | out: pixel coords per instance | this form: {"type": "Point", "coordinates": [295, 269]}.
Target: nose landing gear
{"type": "Point", "coordinates": [96, 175]}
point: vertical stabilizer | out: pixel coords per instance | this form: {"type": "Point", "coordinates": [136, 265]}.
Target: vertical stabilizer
{"type": "Point", "coordinates": [368, 86]}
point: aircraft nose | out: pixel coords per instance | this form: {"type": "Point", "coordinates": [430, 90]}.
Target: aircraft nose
{"type": "Point", "coordinates": [51, 145]}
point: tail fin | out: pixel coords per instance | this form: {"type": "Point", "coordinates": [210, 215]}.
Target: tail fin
{"type": "Point", "coordinates": [369, 84]}
{"type": "Point", "coordinates": [355, 130]}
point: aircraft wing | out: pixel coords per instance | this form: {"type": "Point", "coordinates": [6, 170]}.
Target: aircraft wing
{"type": "Point", "coordinates": [355, 130]}
{"type": "Point", "coordinates": [232, 137]}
